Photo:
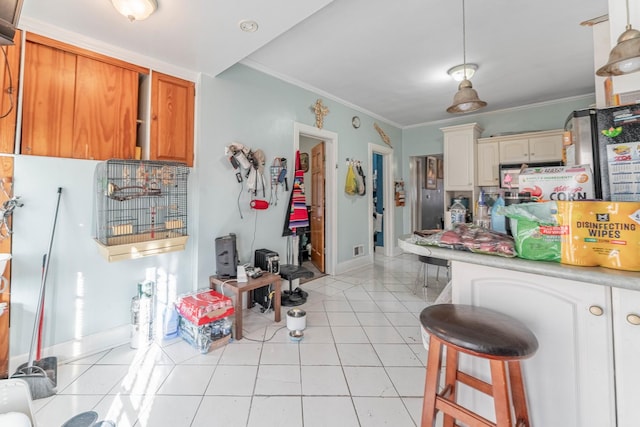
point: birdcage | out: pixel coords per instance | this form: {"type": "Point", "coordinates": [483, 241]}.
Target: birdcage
{"type": "Point", "coordinates": [141, 207]}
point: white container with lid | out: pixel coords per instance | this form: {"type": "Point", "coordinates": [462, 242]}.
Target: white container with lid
{"type": "Point", "coordinates": [458, 213]}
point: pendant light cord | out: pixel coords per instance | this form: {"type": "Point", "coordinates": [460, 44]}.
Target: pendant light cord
{"type": "Point", "coordinates": [464, 44]}
{"type": "Point", "coordinates": [628, 20]}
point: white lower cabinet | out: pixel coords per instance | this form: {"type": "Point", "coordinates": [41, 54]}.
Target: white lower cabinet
{"type": "Point", "coordinates": [570, 379]}
{"type": "Point", "coordinates": [626, 333]}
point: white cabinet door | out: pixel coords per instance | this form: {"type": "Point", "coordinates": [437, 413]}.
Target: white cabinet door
{"type": "Point", "coordinates": [514, 151]}
{"type": "Point", "coordinates": [487, 173]}
{"type": "Point", "coordinates": [569, 381]}
{"type": "Point", "coordinates": [545, 148]}
{"type": "Point", "coordinates": [626, 333]}
{"type": "Point", "coordinates": [459, 160]}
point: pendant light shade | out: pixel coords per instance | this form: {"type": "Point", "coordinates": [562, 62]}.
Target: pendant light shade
{"type": "Point", "coordinates": [135, 10]}
{"type": "Point", "coordinates": [466, 99]}
{"type": "Point", "coordinates": [624, 58]}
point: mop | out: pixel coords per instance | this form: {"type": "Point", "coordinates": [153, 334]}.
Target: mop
{"type": "Point", "coordinates": [41, 375]}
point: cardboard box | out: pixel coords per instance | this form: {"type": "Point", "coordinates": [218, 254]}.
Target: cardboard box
{"type": "Point", "coordinates": [558, 183]}
{"type": "Point", "coordinates": [204, 307]}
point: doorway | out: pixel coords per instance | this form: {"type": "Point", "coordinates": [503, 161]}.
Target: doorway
{"type": "Point", "coordinates": [320, 193]}
{"type": "Point", "coordinates": [381, 200]}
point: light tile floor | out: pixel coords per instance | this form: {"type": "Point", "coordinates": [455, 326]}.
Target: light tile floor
{"type": "Point", "coordinates": [361, 363]}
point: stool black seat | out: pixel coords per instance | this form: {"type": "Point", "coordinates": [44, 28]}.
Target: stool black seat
{"type": "Point", "coordinates": [483, 333]}
{"type": "Point", "coordinates": [291, 272]}
{"type": "Point", "coordinates": [479, 330]}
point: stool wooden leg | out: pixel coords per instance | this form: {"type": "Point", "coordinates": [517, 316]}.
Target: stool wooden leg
{"type": "Point", "coordinates": [500, 388]}
{"type": "Point", "coordinates": [518, 395]}
{"type": "Point", "coordinates": [434, 360]}
{"type": "Point", "coordinates": [451, 381]}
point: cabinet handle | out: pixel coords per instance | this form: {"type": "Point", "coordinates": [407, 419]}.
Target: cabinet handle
{"type": "Point", "coordinates": [596, 310]}
{"type": "Point", "coordinates": [634, 319]}
{"type": "Point", "coordinates": [532, 154]}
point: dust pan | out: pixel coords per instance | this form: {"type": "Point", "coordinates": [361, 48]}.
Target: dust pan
{"type": "Point", "coordinates": [38, 378]}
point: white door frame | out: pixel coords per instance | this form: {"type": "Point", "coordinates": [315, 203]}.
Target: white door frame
{"type": "Point", "coordinates": [331, 188]}
{"type": "Point", "coordinates": [387, 194]}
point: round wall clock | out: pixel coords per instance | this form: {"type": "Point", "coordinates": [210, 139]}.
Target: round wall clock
{"type": "Point", "coordinates": [355, 122]}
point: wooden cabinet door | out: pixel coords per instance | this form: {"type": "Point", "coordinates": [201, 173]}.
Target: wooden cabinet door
{"type": "Point", "coordinates": [545, 148]}
{"type": "Point", "coordinates": [106, 107]}
{"type": "Point", "coordinates": [9, 84]}
{"type": "Point", "coordinates": [514, 151]}
{"type": "Point", "coordinates": [487, 164]}
{"type": "Point", "coordinates": [172, 113]}
{"type": "Point", "coordinates": [49, 92]}
{"type": "Point", "coordinates": [626, 335]}
{"type": "Point", "coordinates": [570, 379]}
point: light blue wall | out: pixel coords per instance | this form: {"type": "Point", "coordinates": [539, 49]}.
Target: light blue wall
{"type": "Point", "coordinates": [259, 111]}
{"type": "Point", "coordinates": [85, 294]}
{"type": "Point", "coordinates": [428, 139]}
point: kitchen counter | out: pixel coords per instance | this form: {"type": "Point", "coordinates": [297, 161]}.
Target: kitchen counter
{"type": "Point", "coordinates": [596, 275]}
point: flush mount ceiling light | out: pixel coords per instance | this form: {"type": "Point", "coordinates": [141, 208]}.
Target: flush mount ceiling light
{"type": "Point", "coordinates": [248, 26]}
{"type": "Point", "coordinates": [624, 58]}
{"type": "Point", "coordinates": [135, 10]}
{"type": "Point", "coordinates": [459, 71]}
{"type": "Point", "coordinates": [466, 99]}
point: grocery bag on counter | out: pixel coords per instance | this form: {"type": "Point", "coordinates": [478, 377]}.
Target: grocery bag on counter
{"type": "Point", "coordinates": [535, 229]}
{"type": "Point", "coordinates": [601, 233]}
{"type": "Point", "coordinates": [469, 237]}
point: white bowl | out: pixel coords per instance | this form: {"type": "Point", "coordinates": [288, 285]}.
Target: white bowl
{"type": "Point", "coordinates": [296, 335]}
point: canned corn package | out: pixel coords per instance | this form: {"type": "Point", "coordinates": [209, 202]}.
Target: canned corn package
{"type": "Point", "coordinates": [600, 233]}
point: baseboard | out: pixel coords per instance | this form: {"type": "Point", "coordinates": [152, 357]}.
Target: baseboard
{"type": "Point", "coordinates": [80, 348]}
{"type": "Point", "coordinates": [354, 263]}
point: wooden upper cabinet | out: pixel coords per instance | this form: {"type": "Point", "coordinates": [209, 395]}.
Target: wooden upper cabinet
{"type": "Point", "coordinates": [49, 92]}
{"type": "Point", "coordinates": [106, 105]}
{"type": "Point", "coordinates": [172, 115]}
{"type": "Point", "coordinates": [9, 83]}
{"type": "Point", "coordinates": [78, 103]}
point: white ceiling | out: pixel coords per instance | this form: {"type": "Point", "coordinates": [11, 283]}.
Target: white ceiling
{"type": "Point", "coordinates": [386, 57]}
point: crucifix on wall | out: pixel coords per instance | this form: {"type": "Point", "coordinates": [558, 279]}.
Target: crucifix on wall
{"type": "Point", "coordinates": [320, 111]}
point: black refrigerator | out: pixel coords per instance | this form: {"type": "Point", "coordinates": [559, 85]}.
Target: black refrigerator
{"type": "Point", "coordinates": [608, 140]}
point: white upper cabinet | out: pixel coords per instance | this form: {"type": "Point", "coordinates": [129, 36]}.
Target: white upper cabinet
{"type": "Point", "coordinates": [460, 156]}
{"type": "Point", "coordinates": [531, 147]}
{"type": "Point", "coordinates": [487, 164]}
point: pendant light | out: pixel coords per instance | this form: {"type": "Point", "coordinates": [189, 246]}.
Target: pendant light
{"type": "Point", "coordinates": [625, 56]}
{"type": "Point", "coordinates": [466, 99]}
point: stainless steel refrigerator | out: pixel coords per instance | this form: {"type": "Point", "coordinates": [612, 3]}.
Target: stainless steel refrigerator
{"type": "Point", "coordinates": [430, 195]}
{"type": "Point", "coordinates": [608, 139]}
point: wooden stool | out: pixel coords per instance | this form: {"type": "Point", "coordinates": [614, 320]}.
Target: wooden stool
{"type": "Point", "coordinates": [483, 333]}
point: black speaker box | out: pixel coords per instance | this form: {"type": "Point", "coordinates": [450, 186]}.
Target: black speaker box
{"type": "Point", "coordinates": [226, 256]}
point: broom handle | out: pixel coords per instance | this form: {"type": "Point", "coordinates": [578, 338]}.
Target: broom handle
{"type": "Point", "coordinates": [41, 322]}
{"type": "Point", "coordinates": [44, 280]}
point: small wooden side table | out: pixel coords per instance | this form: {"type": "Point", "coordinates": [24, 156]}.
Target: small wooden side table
{"type": "Point", "coordinates": [239, 288]}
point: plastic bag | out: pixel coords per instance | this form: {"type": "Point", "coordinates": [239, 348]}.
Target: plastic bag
{"type": "Point", "coordinates": [535, 228]}
{"type": "Point", "coordinates": [469, 237]}
{"type": "Point", "coordinates": [351, 184]}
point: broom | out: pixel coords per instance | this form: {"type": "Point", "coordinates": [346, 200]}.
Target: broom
{"type": "Point", "coordinates": [41, 375]}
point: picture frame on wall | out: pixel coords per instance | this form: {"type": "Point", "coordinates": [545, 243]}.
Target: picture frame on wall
{"type": "Point", "coordinates": [431, 176]}
{"type": "Point", "coordinates": [304, 162]}
{"type": "Point", "coordinates": [440, 169]}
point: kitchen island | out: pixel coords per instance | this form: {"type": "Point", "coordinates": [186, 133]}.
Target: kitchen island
{"type": "Point", "coordinates": [586, 319]}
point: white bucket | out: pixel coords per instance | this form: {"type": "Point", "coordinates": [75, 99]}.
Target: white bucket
{"type": "Point", "coordinates": [296, 319]}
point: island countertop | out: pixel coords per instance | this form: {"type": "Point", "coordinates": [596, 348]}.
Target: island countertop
{"type": "Point", "coordinates": [596, 275]}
